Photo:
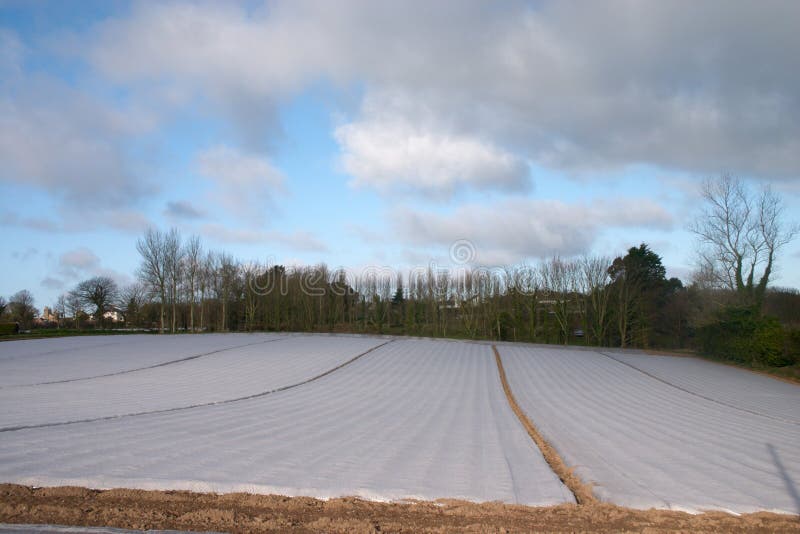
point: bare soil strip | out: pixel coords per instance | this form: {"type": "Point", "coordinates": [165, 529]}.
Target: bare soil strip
{"type": "Point", "coordinates": [154, 366]}
{"type": "Point", "coordinates": [700, 395]}
{"type": "Point", "coordinates": [239, 512]}
{"type": "Point", "coordinates": [583, 492]}
{"type": "Point", "coordinates": [200, 405]}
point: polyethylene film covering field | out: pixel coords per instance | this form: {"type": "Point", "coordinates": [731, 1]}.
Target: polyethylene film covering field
{"type": "Point", "coordinates": [411, 419]}
{"type": "Point", "coordinates": [394, 418]}
{"type": "Point", "coordinates": [664, 432]}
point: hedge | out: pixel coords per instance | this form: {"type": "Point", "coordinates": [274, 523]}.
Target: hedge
{"type": "Point", "coordinates": [9, 328]}
{"type": "Point", "coordinates": [745, 336]}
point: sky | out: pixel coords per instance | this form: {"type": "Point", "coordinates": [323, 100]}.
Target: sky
{"type": "Point", "coordinates": [370, 133]}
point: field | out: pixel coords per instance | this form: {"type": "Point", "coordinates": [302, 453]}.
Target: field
{"type": "Point", "coordinates": [394, 419]}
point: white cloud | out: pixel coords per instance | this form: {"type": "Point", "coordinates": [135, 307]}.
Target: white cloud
{"type": "Point", "coordinates": [182, 209]}
{"type": "Point", "coordinates": [128, 221]}
{"type": "Point", "coordinates": [296, 240]}
{"type": "Point", "coordinates": [57, 139]}
{"type": "Point", "coordinates": [706, 88]}
{"type": "Point", "coordinates": [388, 151]}
{"type": "Point", "coordinates": [44, 224]}
{"type": "Point", "coordinates": [512, 230]}
{"type": "Point", "coordinates": [49, 282]}
{"type": "Point", "coordinates": [77, 264]}
{"type": "Point", "coordinates": [244, 184]}
{"type": "Point", "coordinates": [80, 258]}
{"type": "Point", "coordinates": [71, 220]}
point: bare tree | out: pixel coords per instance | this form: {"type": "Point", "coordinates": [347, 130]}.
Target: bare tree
{"type": "Point", "coordinates": [740, 234]}
{"type": "Point", "coordinates": [626, 291]}
{"type": "Point", "coordinates": [22, 310]}
{"type": "Point", "coordinates": [207, 281]}
{"type": "Point", "coordinates": [3, 306]}
{"type": "Point", "coordinates": [154, 270]}
{"type": "Point", "coordinates": [74, 307]}
{"type": "Point", "coordinates": [597, 279]}
{"type": "Point", "coordinates": [193, 258]}
{"type": "Point", "coordinates": [61, 309]}
{"type": "Point", "coordinates": [558, 277]}
{"type": "Point", "coordinates": [99, 292]}
{"type": "Point", "coordinates": [225, 278]}
{"type": "Point", "coordinates": [529, 283]}
{"type": "Point", "coordinates": [465, 294]}
{"type": "Point", "coordinates": [173, 255]}
{"type": "Point", "coordinates": [250, 273]}
{"type": "Point", "coordinates": [131, 299]}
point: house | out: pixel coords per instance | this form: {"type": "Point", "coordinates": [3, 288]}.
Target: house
{"type": "Point", "coordinates": [49, 316]}
{"type": "Point", "coordinates": [114, 314]}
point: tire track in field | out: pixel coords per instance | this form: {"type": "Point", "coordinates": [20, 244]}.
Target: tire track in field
{"type": "Point", "coordinates": [162, 364]}
{"type": "Point", "coordinates": [199, 405]}
{"type": "Point", "coordinates": [580, 490]}
{"type": "Point", "coordinates": [700, 395]}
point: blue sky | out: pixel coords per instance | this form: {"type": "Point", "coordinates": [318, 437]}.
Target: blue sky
{"type": "Point", "coordinates": [372, 133]}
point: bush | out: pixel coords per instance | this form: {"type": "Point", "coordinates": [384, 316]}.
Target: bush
{"type": "Point", "coordinates": [9, 328]}
{"type": "Point", "coordinates": [792, 346]}
{"type": "Point", "coordinates": [745, 336]}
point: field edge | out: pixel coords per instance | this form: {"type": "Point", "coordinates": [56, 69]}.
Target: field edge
{"type": "Point", "coordinates": [239, 512]}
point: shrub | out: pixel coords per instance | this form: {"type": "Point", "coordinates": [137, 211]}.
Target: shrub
{"type": "Point", "coordinates": [9, 328]}
{"type": "Point", "coordinates": [792, 346]}
{"type": "Point", "coordinates": [744, 335]}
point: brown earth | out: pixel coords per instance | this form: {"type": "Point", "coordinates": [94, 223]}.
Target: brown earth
{"type": "Point", "coordinates": [238, 512]}
{"type": "Point", "coordinates": [582, 491]}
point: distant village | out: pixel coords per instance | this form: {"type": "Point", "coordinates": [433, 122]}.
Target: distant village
{"type": "Point", "coordinates": [51, 318]}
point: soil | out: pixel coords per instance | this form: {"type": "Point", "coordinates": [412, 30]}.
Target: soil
{"type": "Point", "coordinates": [177, 510]}
{"type": "Point", "coordinates": [582, 491]}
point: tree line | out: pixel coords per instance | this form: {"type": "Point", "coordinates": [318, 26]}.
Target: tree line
{"type": "Point", "coordinates": [181, 287]}
{"type": "Point", "coordinates": [626, 301]}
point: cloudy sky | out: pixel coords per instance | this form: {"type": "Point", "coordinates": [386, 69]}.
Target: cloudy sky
{"type": "Point", "coordinates": [379, 133]}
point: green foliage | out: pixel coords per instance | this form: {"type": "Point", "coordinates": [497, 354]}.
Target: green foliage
{"type": "Point", "coordinates": [792, 345]}
{"type": "Point", "coordinates": [505, 326]}
{"type": "Point", "coordinates": [745, 336]}
{"type": "Point", "coordinates": [646, 306]}
{"type": "Point", "coordinates": [640, 265]}
{"type": "Point", "coordinates": [8, 328]}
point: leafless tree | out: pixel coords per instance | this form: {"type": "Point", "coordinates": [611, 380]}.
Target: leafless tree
{"type": "Point", "coordinates": [530, 286]}
{"type": "Point", "coordinates": [465, 293]}
{"type": "Point", "coordinates": [193, 257]}
{"type": "Point", "coordinates": [99, 292]}
{"type": "Point", "coordinates": [558, 277]}
{"type": "Point", "coordinates": [131, 299]}
{"type": "Point", "coordinates": [597, 279]}
{"type": "Point", "coordinates": [740, 234]}
{"type": "Point", "coordinates": [3, 306]}
{"type": "Point", "coordinates": [154, 269]}
{"type": "Point", "coordinates": [225, 279]}
{"type": "Point", "coordinates": [207, 281]}
{"type": "Point", "coordinates": [61, 309]}
{"type": "Point", "coordinates": [250, 272]}
{"type": "Point", "coordinates": [173, 260]}
{"type": "Point", "coordinates": [22, 310]}
{"type": "Point", "coordinates": [74, 307]}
